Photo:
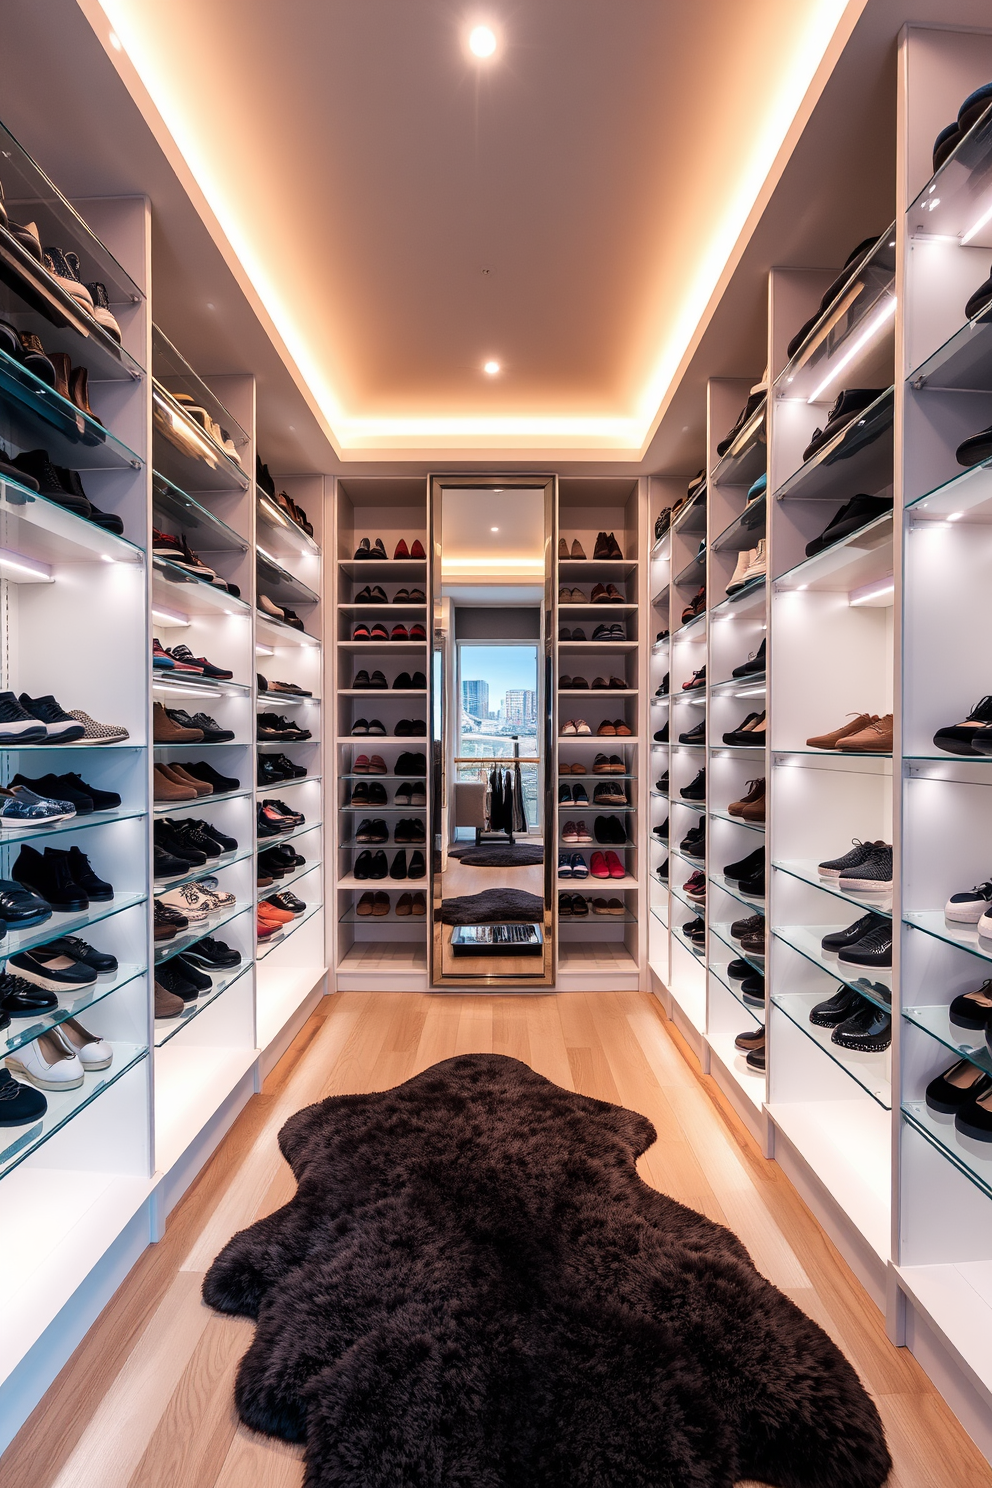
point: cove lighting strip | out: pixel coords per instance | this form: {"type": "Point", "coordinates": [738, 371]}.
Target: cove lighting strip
{"type": "Point", "coordinates": [179, 690]}
{"type": "Point", "coordinates": [21, 570]}
{"type": "Point", "coordinates": [169, 617]}
{"type": "Point", "coordinates": [879, 593]}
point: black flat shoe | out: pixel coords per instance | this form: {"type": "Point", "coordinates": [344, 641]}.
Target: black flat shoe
{"type": "Point", "coordinates": [972, 1009]}
{"type": "Point", "coordinates": [957, 1087]}
{"type": "Point", "coordinates": [975, 1119]}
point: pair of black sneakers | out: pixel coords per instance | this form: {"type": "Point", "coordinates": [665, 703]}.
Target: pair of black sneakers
{"type": "Point", "coordinates": [275, 768]}
{"type": "Point", "coordinates": [72, 788]}
{"type": "Point", "coordinates": [696, 789]}
{"type": "Point", "coordinates": [866, 942]}
{"type": "Point", "coordinates": [376, 865]}
{"type": "Point", "coordinates": [209, 727]}
{"type": "Point", "coordinates": [279, 860]}
{"type": "Point", "coordinates": [272, 726]}
{"type": "Point", "coordinates": [752, 987]}
{"type": "Point", "coordinates": [406, 831]}
{"type": "Point", "coordinates": [857, 1021]}
{"type": "Point", "coordinates": [410, 763]}
{"type": "Point", "coordinates": [65, 879]}
{"type": "Point", "coordinates": [693, 844]}
{"type": "Point", "coordinates": [372, 829]}
{"type": "Point", "coordinates": [181, 845]}
{"type": "Point", "coordinates": [749, 874]}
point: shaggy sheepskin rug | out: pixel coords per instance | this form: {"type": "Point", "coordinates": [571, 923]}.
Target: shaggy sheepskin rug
{"type": "Point", "coordinates": [492, 907]}
{"type": "Point", "coordinates": [474, 1289]}
{"type": "Point", "coordinates": [492, 855]}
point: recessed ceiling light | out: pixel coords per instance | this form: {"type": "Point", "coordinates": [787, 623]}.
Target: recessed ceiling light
{"type": "Point", "coordinates": [115, 41]}
{"type": "Point", "coordinates": [494, 529]}
{"type": "Point", "coordinates": [491, 367]}
{"type": "Point", "coordinates": [482, 41]}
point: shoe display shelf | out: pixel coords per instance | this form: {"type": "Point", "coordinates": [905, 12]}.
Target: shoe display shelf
{"type": "Point", "coordinates": [662, 496]}
{"type": "Point", "coordinates": [73, 600]}
{"type": "Point", "coordinates": [385, 951]}
{"type": "Point", "coordinates": [942, 1235]}
{"type": "Point", "coordinates": [601, 952]}
{"type": "Point", "coordinates": [201, 494]}
{"type": "Point", "coordinates": [291, 965]}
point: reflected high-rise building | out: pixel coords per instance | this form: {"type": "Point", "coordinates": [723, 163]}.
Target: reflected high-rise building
{"type": "Point", "coordinates": [475, 699]}
{"type": "Point", "coordinates": [520, 707]}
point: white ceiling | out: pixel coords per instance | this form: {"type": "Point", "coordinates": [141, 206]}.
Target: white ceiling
{"type": "Point", "coordinates": [367, 174]}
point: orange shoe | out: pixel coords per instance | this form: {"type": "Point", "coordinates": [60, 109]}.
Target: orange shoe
{"type": "Point", "coordinates": [265, 929]}
{"type": "Point", "coordinates": [272, 915]}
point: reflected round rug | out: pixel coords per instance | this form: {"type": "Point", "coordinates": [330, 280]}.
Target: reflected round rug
{"type": "Point", "coordinates": [472, 1288]}
{"type": "Point", "coordinates": [492, 907]}
{"type": "Point", "coordinates": [492, 855]}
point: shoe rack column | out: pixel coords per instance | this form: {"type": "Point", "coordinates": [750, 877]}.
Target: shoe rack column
{"type": "Point", "coordinates": [663, 496]}
{"type": "Point", "coordinates": [597, 839]}
{"type": "Point", "coordinates": [735, 708]}
{"type": "Point", "coordinates": [381, 631]}
{"type": "Point", "coordinates": [292, 957]}
{"type": "Point", "coordinates": [942, 1232]}
{"type": "Point", "coordinates": [75, 1162]}
{"type": "Point", "coordinates": [831, 649]}
{"type": "Point", "coordinates": [202, 599]}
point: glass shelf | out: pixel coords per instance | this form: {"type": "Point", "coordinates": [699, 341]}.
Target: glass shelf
{"type": "Point", "coordinates": [279, 746]}
{"type": "Point", "coordinates": [282, 528]}
{"type": "Point", "coordinates": [25, 1030]}
{"type": "Point", "coordinates": [736, 821]}
{"type": "Point", "coordinates": [283, 583]}
{"type": "Point", "coordinates": [204, 532]}
{"type": "Point", "coordinates": [298, 872]}
{"type": "Point", "coordinates": [661, 598]}
{"type": "Point", "coordinates": [963, 363]}
{"type": "Point", "coordinates": [172, 808]}
{"type": "Point", "coordinates": [884, 761]}
{"type": "Point", "coordinates": [205, 870]}
{"type": "Point", "coordinates": [719, 971]}
{"type": "Point", "coordinates": [968, 1043]}
{"type": "Point", "coordinates": [35, 414]}
{"type": "Point", "coordinates": [659, 916]}
{"type": "Point", "coordinates": [280, 634]}
{"type": "Point", "coordinates": [959, 194]}
{"type": "Point", "coordinates": [61, 922]}
{"type": "Point", "coordinates": [970, 492]}
{"type": "Point", "coordinates": [699, 806]}
{"type": "Point", "coordinates": [745, 530]}
{"type": "Point", "coordinates": [857, 458]}
{"type": "Point", "coordinates": [18, 1142]}
{"type": "Point", "coordinates": [856, 319]}
{"type": "Point", "coordinates": [751, 597]}
{"type": "Point", "coordinates": [745, 459]}
{"type": "Point", "coordinates": [169, 749]}
{"type": "Point", "coordinates": [694, 628]}
{"type": "Point", "coordinates": [606, 570]}
{"type": "Point", "coordinates": [595, 918]}
{"type": "Point", "coordinates": [166, 949]}
{"type": "Point", "coordinates": [351, 916]}
{"type": "Point", "coordinates": [692, 517]}
{"type": "Point", "coordinates": [805, 939]}
{"type": "Point", "coordinates": [966, 937]}
{"type": "Point", "coordinates": [185, 454]}
{"type": "Point", "coordinates": [858, 559]}
{"type": "Point", "coordinates": [181, 684]}
{"type": "Point", "coordinates": [699, 910]}
{"type": "Point", "coordinates": [585, 647]}
{"type": "Point", "coordinates": [694, 571]}
{"type": "Point", "coordinates": [174, 374]}
{"type": "Point", "coordinates": [388, 569]}
{"type": "Point", "coordinates": [264, 842]}
{"type": "Point", "coordinates": [10, 834]}
{"type": "Point", "coordinates": [722, 933]}
{"type": "Point", "coordinates": [45, 532]}
{"type": "Point", "coordinates": [267, 946]}
{"type": "Point", "coordinates": [167, 1028]}
{"type": "Point", "coordinates": [972, 1159]}
{"type": "Point", "coordinates": [753, 686]}
{"type": "Point", "coordinates": [806, 871]}
{"type": "Point", "coordinates": [729, 887]}
{"type": "Point", "coordinates": [869, 1069]}
{"type": "Point", "coordinates": [197, 596]}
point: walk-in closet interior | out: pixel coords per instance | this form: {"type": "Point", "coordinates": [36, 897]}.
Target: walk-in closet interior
{"type": "Point", "coordinates": [392, 672]}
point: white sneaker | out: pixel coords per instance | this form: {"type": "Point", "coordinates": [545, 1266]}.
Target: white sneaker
{"type": "Point", "coordinates": [737, 580]}
{"type": "Point", "coordinates": [47, 1063]}
{"type": "Point", "coordinates": [189, 901]}
{"type": "Point", "coordinates": [93, 1053]}
{"type": "Point", "coordinates": [758, 566]}
{"type": "Point", "coordinates": [218, 898]}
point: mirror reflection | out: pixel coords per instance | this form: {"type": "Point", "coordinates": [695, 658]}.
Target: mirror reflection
{"type": "Point", "coordinates": [491, 881]}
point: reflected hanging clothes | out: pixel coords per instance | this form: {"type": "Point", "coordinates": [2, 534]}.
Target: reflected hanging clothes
{"type": "Point", "coordinates": [519, 819]}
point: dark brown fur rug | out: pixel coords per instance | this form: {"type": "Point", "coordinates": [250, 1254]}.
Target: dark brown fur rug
{"type": "Point", "coordinates": [473, 1289]}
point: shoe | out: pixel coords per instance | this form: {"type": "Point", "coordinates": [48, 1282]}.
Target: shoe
{"type": "Point", "coordinates": [976, 448]}
{"type": "Point", "coordinates": [98, 733]}
{"type": "Point", "coordinates": [873, 949]}
{"type": "Point", "coordinates": [19, 808]}
{"type": "Point", "coordinates": [661, 735]}
{"type": "Point", "coordinates": [968, 737]}
{"type": "Point", "coordinates": [754, 666]}
{"type": "Point", "coordinates": [968, 906]}
{"type": "Point", "coordinates": [212, 955]}
{"type": "Point", "coordinates": [92, 1052]}
{"type": "Point", "coordinates": [696, 605]}
{"type": "Point", "coordinates": [972, 1009]}
{"type": "Point", "coordinates": [752, 984]}
{"type": "Point", "coordinates": [750, 732]}
{"type": "Point", "coordinates": [836, 1009]}
{"type": "Point", "coordinates": [746, 868]}
{"type": "Point", "coordinates": [17, 725]}
{"type": "Point", "coordinates": [737, 579]}
{"type": "Point", "coordinates": [873, 875]}
{"type": "Point", "coordinates": [47, 1063]}
{"type": "Point", "coordinates": [951, 1091]}
{"type": "Point", "coordinates": [165, 730]}
{"type": "Point", "coordinates": [751, 925]}
{"type": "Point", "coordinates": [210, 730]}
{"type": "Point", "coordinates": [753, 1039]}
{"type": "Point", "coordinates": [753, 809]}
{"type": "Point", "coordinates": [851, 517]}
{"type": "Point", "coordinates": [60, 727]}
{"type": "Point", "coordinates": [695, 932]}
{"type": "Point", "coordinates": [579, 867]}
{"type": "Point", "coordinates": [695, 735]}
{"type": "Point", "coordinates": [857, 725]}
{"type": "Point", "coordinates": [755, 1059]}
{"type": "Point", "coordinates": [833, 868]}
{"type": "Point", "coordinates": [847, 406]}
{"type": "Point", "coordinates": [21, 997]}
{"type": "Point", "coordinates": [750, 407]}
{"type": "Point", "coordinates": [975, 1119]}
{"type": "Point", "coordinates": [168, 787]}
{"type": "Point", "coordinates": [49, 875]}
{"type": "Point", "coordinates": [837, 940]}
{"type": "Point", "coordinates": [874, 738]}
{"type": "Point", "coordinates": [693, 844]}
{"type": "Point", "coordinates": [859, 253]}
{"type": "Point", "coordinates": [696, 789]}
{"type": "Point", "coordinates": [757, 567]}
{"type": "Point", "coordinates": [695, 888]}
{"type": "Point", "coordinates": [34, 467]}
{"type": "Point", "coordinates": [695, 682]}
{"type": "Point", "coordinates": [867, 1029]}
{"type": "Point", "coordinates": [19, 1104]}
{"type": "Point", "coordinates": [52, 970]}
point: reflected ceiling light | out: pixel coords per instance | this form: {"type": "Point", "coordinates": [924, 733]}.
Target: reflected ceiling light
{"type": "Point", "coordinates": [491, 368]}
{"type": "Point", "coordinates": [482, 41]}
{"type": "Point", "coordinates": [877, 593]}
{"type": "Point", "coordinates": [871, 330]}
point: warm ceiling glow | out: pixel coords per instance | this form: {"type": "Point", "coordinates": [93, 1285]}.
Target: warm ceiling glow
{"type": "Point", "coordinates": [625, 433]}
{"type": "Point", "coordinates": [494, 529]}
{"type": "Point", "coordinates": [482, 41]}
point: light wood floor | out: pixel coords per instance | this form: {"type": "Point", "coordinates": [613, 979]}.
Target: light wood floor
{"type": "Point", "coordinates": [145, 1402]}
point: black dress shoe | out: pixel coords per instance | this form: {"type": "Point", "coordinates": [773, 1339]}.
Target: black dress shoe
{"type": "Point", "coordinates": [975, 1119]}
{"type": "Point", "coordinates": [213, 955]}
{"type": "Point", "coordinates": [172, 976]}
{"type": "Point", "coordinates": [379, 865]}
{"type": "Point", "coordinates": [214, 834]}
{"type": "Point", "coordinates": [168, 837]}
{"type": "Point", "coordinates": [746, 867]}
{"type": "Point", "coordinates": [20, 998]}
{"type": "Point", "coordinates": [855, 514]}
{"type": "Point", "coordinates": [417, 867]}
{"type": "Point", "coordinates": [873, 949]}
{"type": "Point", "coordinates": [398, 869]}
{"type": "Point", "coordinates": [753, 987]}
{"type": "Point", "coordinates": [96, 888]}
{"type": "Point", "coordinates": [289, 902]}
{"type": "Point", "coordinates": [837, 1009]}
{"type": "Point", "coordinates": [49, 876]}
{"type": "Point", "coordinates": [972, 1009]}
{"type": "Point", "coordinates": [739, 970]}
{"type": "Point", "coordinates": [21, 906]}
{"type": "Point", "coordinates": [847, 407]}
{"type": "Point", "coordinates": [19, 1104]}
{"type": "Point", "coordinates": [836, 940]}
{"type": "Point", "coordinates": [222, 784]}
{"type": "Point", "coordinates": [71, 945]}
{"type": "Point", "coordinates": [58, 787]}
{"type": "Point", "coordinates": [192, 974]}
{"type": "Point", "coordinates": [957, 1086]}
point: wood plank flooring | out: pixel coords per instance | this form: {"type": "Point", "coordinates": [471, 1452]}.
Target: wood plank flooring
{"type": "Point", "coordinates": [146, 1400]}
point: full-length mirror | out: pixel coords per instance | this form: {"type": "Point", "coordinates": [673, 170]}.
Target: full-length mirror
{"type": "Point", "coordinates": [491, 731]}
